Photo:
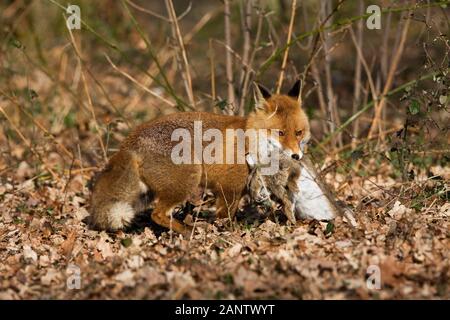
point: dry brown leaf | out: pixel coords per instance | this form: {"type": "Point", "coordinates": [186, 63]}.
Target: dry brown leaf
{"type": "Point", "coordinates": [68, 244]}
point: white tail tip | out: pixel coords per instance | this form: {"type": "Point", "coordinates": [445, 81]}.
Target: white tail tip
{"type": "Point", "coordinates": [120, 215]}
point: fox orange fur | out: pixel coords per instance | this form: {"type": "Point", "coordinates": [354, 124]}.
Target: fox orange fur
{"type": "Point", "coordinates": [144, 163]}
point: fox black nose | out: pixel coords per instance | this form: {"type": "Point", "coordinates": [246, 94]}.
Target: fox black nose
{"type": "Point", "coordinates": [295, 156]}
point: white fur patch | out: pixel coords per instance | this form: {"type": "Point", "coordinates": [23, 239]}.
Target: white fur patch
{"type": "Point", "coordinates": [120, 215]}
{"type": "Point", "coordinates": [275, 145]}
{"type": "Point", "coordinates": [250, 160]}
{"type": "Point", "coordinates": [311, 202]}
{"type": "Point", "coordinates": [143, 187]}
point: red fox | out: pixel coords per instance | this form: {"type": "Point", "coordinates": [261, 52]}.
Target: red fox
{"type": "Point", "coordinates": [144, 163]}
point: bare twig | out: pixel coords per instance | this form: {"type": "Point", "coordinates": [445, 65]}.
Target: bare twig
{"type": "Point", "coordinates": [28, 144]}
{"type": "Point", "coordinates": [338, 24]}
{"type": "Point", "coordinates": [358, 41]}
{"type": "Point", "coordinates": [143, 87]}
{"type": "Point", "coordinates": [234, 54]}
{"type": "Point", "coordinates": [90, 104]}
{"type": "Point", "coordinates": [166, 54]}
{"type": "Point", "coordinates": [180, 103]}
{"type": "Point", "coordinates": [157, 15]}
{"type": "Point", "coordinates": [37, 124]}
{"type": "Point", "coordinates": [320, 96]}
{"type": "Point", "coordinates": [228, 57]}
{"type": "Point", "coordinates": [371, 104]}
{"type": "Point", "coordinates": [147, 11]}
{"type": "Point", "coordinates": [212, 70]}
{"type": "Point", "coordinates": [246, 19]}
{"type": "Point", "coordinates": [286, 52]}
{"type": "Point", "coordinates": [199, 208]}
{"type": "Point", "coordinates": [360, 55]}
{"type": "Point", "coordinates": [249, 69]}
{"type": "Point", "coordinates": [390, 78]}
{"type": "Point", "coordinates": [186, 73]}
{"type": "Point", "coordinates": [331, 103]}
{"type": "Point", "coordinates": [384, 47]}
{"type": "Point", "coordinates": [307, 46]}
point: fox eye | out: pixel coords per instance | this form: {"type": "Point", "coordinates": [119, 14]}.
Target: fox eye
{"type": "Point", "coordinates": [298, 132]}
{"type": "Point", "coordinates": [281, 133]}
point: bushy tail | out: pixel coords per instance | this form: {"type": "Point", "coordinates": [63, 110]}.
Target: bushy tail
{"type": "Point", "coordinates": [116, 191]}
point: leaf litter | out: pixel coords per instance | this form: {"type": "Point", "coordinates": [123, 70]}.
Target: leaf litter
{"type": "Point", "coordinates": [265, 258]}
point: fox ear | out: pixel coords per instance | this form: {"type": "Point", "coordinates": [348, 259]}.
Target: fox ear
{"type": "Point", "coordinates": [295, 90]}
{"type": "Point", "coordinates": [263, 90]}
{"type": "Point", "coordinates": [261, 95]}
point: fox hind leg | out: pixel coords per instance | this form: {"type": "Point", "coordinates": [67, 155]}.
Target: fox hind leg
{"type": "Point", "coordinates": [162, 215]}
{"type": "Point", "coordinates": [172, 185]}
{"type": "Point", "coordinates": [227, 202]}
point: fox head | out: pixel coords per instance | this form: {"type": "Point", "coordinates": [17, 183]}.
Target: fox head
{"type": "Point", "coordinates": [283, 113]}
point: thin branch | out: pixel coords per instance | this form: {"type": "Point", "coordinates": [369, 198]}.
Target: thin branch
{"type": "Point", "coordinates": [170, 103]}
{"type": "Point", "coordinates": [249, 69]}
{"type": "Point", "coordinates": [186, 73]}
{"type": "Point", "coordinates": [358, 41]}
{"type": "Point", "coordinates": [320, 97]}
{"type": "Point", "coordinates": [166, 54]}
{"type": "Point", "coordinates": [365, 65]}
{"type": "Point", "coordinates": [85, 86]}
{"type": "Point", "coordinates": [370, 104]}
{"type": "Point", "coordinates": [286, 52]}
{"type": "Point", "coordinates": [212, 70]}
{"type": "Point", "coordinates": [28, 144]}
{"type": "Point", "coordinates": [38, 124]}
{"type": "Point", "coordinates": [338, 24]}
{"type": "Point", "coordinates": [149, 12]}
{"type": "Point", "coordinates": [246, 19]}
{"type": "Point", "coordinates": [228, 57]}
{"type": "Point", "coordinates": [379, 107]}
{"type": "Point", "coordinates": [181, 104]}
{"type": "Point", "coordinates": [331, 97]}
{"type": "Point", "coordinates": [157, 15]}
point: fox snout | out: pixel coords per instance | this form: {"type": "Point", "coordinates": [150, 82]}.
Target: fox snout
{"type": "Point", "coordinates": [291, 150]}
{"type": "Point", "coordinates": [294, 152]}
{"type": "Point", "coordinates": [296, 148]}
{"type": "Point", "coordinates": [294, 155]}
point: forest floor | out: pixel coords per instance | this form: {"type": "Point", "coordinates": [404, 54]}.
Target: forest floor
{"type": "Point", "coordinates": [45, 247]}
